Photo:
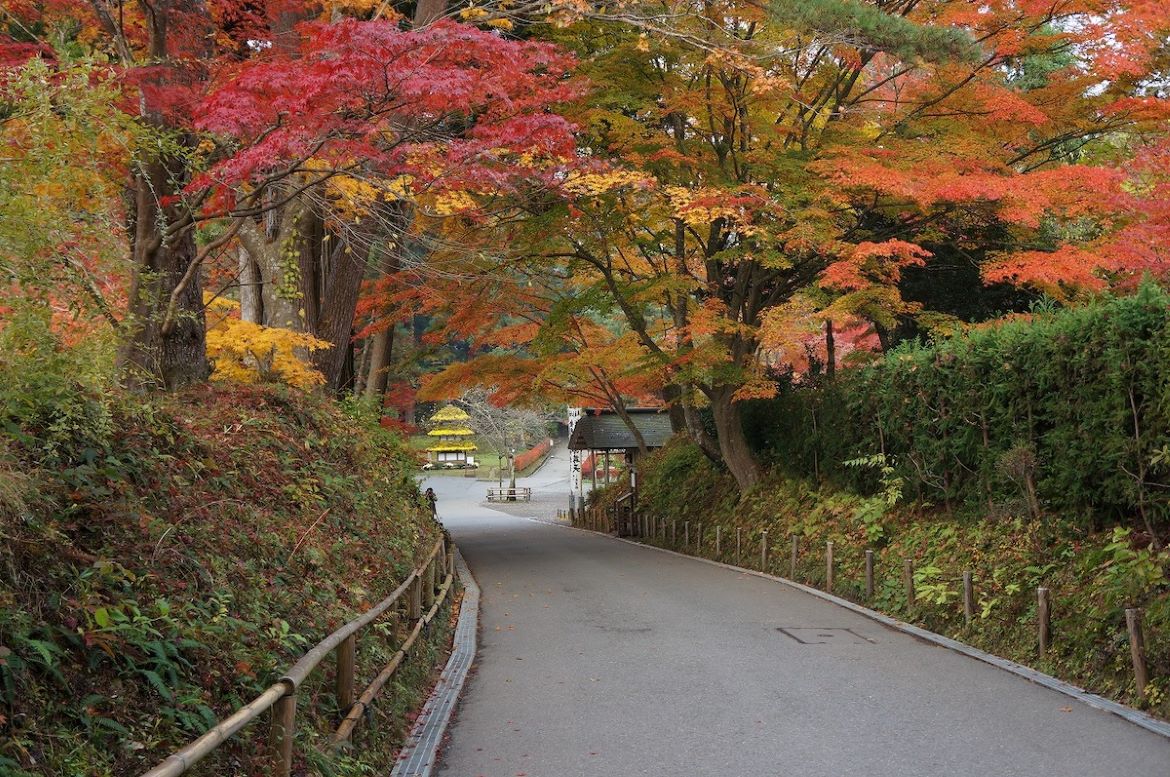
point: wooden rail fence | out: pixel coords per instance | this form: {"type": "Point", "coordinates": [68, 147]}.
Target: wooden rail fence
{"type": "Point", "coordinates": [426, 587]}
{"type": "Point", "coordinates": [601, 520]}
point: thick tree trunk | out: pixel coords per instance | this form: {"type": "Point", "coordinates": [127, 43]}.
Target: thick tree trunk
{"type": "Point", "coordinates": [251, 299]}
{"type": "Point", "coordinates": [150, 357]}
{"type": "Point", "coordinates": [671, 397]}
{"type": "Point", "coordinates": [381, 353]}
{"type": "Point", "coordinates": [696, 428]}
{"type": "Point", "coordinates": [330, 279]}
{"type": "Point", "coordinates": [733, 445]}
{"type": "Point", "coordinates": [277, 290]}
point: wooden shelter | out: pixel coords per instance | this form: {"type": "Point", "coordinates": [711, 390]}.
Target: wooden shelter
{"type": "Point", "coordinates": [451, 437]}
{"type": "Point", "coordinates": [603, 431]}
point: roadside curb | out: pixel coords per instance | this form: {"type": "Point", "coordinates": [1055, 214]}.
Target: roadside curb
{"type": "Point", "coordinates": [419, 756]}
{"type": "Point", "coordinates": [1136, 717]}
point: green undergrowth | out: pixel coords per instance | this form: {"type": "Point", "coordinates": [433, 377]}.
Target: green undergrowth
{"type": "Point", "coordinates": [1092, 576]}
{"type": "Point", "coordinates": [164, 558]}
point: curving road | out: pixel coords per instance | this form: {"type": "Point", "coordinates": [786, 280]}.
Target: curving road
{"type": "Point", "coordinates": [598, 657]}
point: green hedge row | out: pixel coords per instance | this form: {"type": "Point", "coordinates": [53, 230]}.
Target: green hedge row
{"type": "Point", "coordinates": [1067, 412]}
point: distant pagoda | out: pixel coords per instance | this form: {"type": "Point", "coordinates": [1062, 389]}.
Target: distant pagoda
{"type": "Point", "coordinates": [451, 435]}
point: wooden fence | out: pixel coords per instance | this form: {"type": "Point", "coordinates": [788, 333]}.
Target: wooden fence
{"type": "Point", "coordinates": [425, 587]}
{"type": "Point", "coordinates": [506, 494]}
{"type": "Point", "coordinates": [693, 539]}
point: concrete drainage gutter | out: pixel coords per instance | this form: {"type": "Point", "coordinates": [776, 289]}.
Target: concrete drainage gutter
{"type": "Point", "coordinates": [1137, 717]}
{"type": "Point", "coordinates": [420, 754]}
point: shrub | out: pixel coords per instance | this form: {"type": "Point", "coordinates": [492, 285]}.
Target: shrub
{"type": "Point", "coordinates": [1064, 413]}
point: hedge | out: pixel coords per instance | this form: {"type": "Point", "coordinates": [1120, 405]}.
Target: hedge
{"type": "Point", "coordinates": [1067, 412]}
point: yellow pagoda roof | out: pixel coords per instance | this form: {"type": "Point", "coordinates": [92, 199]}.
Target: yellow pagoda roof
{"type": "Point", "coordinates": [447, 447]}
{"type": "Point", "coordinates": [450, 413]}
{"type": "Point", "coordinates": [455, 431]}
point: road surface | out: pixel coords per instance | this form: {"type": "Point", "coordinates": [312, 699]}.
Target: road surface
{"type": "Point", "coordinates": [598, 657]}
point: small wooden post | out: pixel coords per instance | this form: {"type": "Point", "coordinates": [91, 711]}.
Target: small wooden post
{"type": "Point", "coordinates": [415, 611]}
{"type": "Point", "coordinates": [869, 575]}
{"type": "Point", "coordinates": [792, 556]}
{"type": "Point", "coordinates": [908, 579]}
{"type": "Point", "coordinates": [968, 597]}
{"type": "Point", "coordinates": [686, 535]}
{"type": "Point", "coordinates": [282, 733]}
{"type": "Point", "coordinates": [345, 659]}
{"type": "Point", "coordinates": [429, 585]}
{"type": "Point", "coordinates": [1137, 650]}
{"type": "Point", "coordinates": [674, 532]}
{"type": "Point", "coordinates": [718, 540]}
{"type": "Point", "coordinates": [764, 551]}
{"type": "Point", "coordinates": [829, 567]}
{"type": "Point", "coordinates": [699, 539]}
{"type": "Point", "coordinates": [738, 545]}
{"type": "Point", "coordinates": [1043, 619]}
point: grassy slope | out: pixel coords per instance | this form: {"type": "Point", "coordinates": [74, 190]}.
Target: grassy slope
{"type": "Point", "coordinates": [1092, 577]}
{"type": "Point", "coordinates": [148, 579]}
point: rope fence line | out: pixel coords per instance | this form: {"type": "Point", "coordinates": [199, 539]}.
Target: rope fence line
{"type": "Point", "coordinates": [426, 586]}
{"type": "Point", "coordinates": [746, 555]}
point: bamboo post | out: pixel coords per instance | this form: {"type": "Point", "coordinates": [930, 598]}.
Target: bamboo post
{"type": "Point", "coordinates": [699, 539]}
{"type": "Point", "coordinates": [429, 585]}
{"type": "Point", "coordinates": [686, 535]}
{"type": "Point", "coordinates": [718, 540]}
{"type": "Point", "coordinates": [416, 599]}
{"type": "Point", "coordinates": [738, 544]}
{"type": "Point", "coordinates": [968, 597]}
{"type": "Point", "coordinates": [764, 551]}
{"type": "Point", "coordinates": [282, 733]}
{"type": "Point", "coordinates": [1137, 650]}
{"type": "Point", "coordinates": [829, 567]}
{"type": "Point", "coordinates": [674, 533]}
{"type": "Point", "coordinates": [346, 652]}
{"type": "Point", "coordinates": [908, 580]}
{"type": "Point", "coordinates": [1043, 619]}
{"type": "Point", "coordinates": [795, 541]}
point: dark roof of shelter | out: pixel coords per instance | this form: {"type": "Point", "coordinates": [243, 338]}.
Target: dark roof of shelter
{"type": "Point", "coordinates": [608, 431]}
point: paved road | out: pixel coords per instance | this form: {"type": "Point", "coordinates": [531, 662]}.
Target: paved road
{"type": "Point", "coordinates": [602, 658]}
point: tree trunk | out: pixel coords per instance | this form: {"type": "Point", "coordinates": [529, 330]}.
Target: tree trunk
{"type": "Point", "coordinates": [830, 350]}
{"type": "Point", "coordinates": [671, 396]}
{"type": "Point", "coordinates": [696, 429]}
{"type": "Point", "coordinates": [381, 353]}
{"type": "Point", "coordinates": [150, 358]}
{"type": "Point", "coordinates": [332, 314]}
{"type": "Point", "coordinates": [251, 299]}
{"type": "Point", "coordinates": [733, 446]}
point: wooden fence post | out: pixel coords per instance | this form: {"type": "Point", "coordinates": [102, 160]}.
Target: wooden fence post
{"type": "Point", "coordinates": [908, 580]}
{"type": "Point", "coordinates": [686, 535]}
{"type": "Point", "coordinates": [415, 611]}
{"type": "Point", "coordinates": [829, 567]}
{"type": "Point", "coordinates": [1043, 619]}
{"type": "Point", "coordinates": [674, 533]}
{"type": "Point", "coordinates": [699, 539]}
{"type": "Point", "coordinates": [1137, 650]}
{"type": "Point", "coordinates": [738, 545]}
{"type": "Point", "coordinates": [869, 575]}
{"type": "Point", "coordinates": [282, 733]}
{"type": "Point", "coordinates": [795, 541]}
{"type": "Point", "coordinates": [968, 597]}
{"type": "Point", "coordinates": [763, 551]}
{"type": "Point", "coordinates": [346, 653]}
{"type": "Point", "coordinates": [429, 585]}
{"type": "Point", "coordinates": [719, 541]}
